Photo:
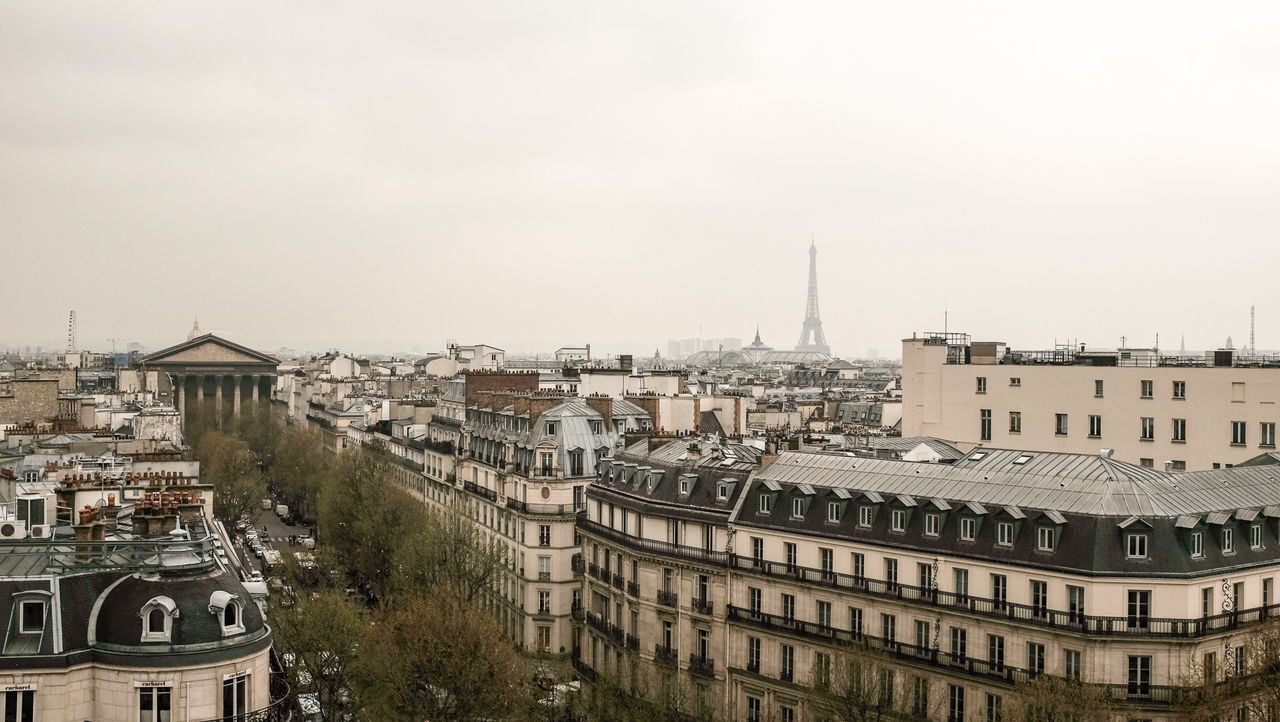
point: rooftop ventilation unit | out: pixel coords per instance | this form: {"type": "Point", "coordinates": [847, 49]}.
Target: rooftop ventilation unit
{"type": "Point", "coordinates": [13, 530]}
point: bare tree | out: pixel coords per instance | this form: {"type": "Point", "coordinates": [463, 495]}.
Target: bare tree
{"type": "Point", "coordinates": [1049, 698]}
{"type": "Point", "coordinates": [864, 685]}
{"type": "Point", "coordinates": [1238, 673]}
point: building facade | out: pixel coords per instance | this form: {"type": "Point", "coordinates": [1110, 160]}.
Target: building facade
{"type": "Point", "coordinates": [1205, 412]}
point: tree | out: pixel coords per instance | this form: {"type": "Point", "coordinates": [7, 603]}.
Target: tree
{"type": "Point", "coordinates": [1049, 698]}
{"type": "Point", "coordinates": [1218, 682]}
{"type": "Point", "coordinates": [298, 470]}
{"type": "Point", "coordinates": [447, 549]}
{"type": "Point", "coordinates": [364, 516]}
{"type": "Point", "coordinates": [323, 633]}
{"type": "Point", "coordinates": [232, 469]}
{"type": "Point", "coordinates": [431, 655]}
{"type": "Point", "coordinates": [862, 686]}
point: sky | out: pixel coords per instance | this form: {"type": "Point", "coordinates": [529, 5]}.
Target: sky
{"type": "Point", "coordinates": [390, 176]}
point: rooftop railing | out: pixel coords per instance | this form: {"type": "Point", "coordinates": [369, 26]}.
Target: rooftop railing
{"type": "Point", "coordinates": [717, 558]}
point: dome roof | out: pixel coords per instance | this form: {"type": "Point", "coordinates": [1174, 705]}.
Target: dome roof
{"type": "Point", "coordinates": [118, 616]}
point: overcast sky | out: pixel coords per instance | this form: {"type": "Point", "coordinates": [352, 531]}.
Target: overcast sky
{"type": "Point", "coordinates": [537, 174]}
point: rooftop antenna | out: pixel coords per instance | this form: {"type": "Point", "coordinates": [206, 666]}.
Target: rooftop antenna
{"type": "Point", "coordinates": [71, 332]}
{"type": "Point", "coordinates": [1252, 349]}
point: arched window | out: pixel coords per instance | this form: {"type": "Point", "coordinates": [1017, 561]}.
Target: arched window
{"type": "Point", "coordinates": [230, 616]}
{"type": "Point", "coordinates": [229, 610]}
{"type": "Point", "coordinates": [157, 619]}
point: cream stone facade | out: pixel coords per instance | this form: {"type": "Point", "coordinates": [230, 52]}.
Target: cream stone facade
{"type": "Point", "coordinates": [1149, 409]}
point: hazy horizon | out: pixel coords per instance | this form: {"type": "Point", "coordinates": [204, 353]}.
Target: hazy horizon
{"type": "Point", "coordinates": [387, 177]}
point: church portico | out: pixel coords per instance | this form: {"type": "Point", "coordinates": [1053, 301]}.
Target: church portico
{"type": "Point", "coordinates": [208, 370]}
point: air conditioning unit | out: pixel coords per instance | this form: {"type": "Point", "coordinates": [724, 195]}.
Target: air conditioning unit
{"type": "Point", "coordinates": [41, 531]}
{"type": "Point", "coordinates": [13, 530]}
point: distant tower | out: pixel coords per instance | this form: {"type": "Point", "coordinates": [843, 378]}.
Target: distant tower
{"type": "Point", "coordinates": [1252, 347]}
{"type": "Point", "coordinates": [195, 330]}
{"type": "Point", "coordinates": [811, 337]}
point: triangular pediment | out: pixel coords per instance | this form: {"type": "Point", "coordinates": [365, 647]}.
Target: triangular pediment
{"type": "Point", "coordinates": [209, 349]}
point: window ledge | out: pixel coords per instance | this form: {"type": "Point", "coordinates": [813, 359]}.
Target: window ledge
{"type": "Point", "coordinates": [1095, 436]}
{"type": "Point", "coordinates": [1239, 445]}
{"type": "Point", "coordinates": [1146, 440]}
{"type": "Point", "coordinates": [1266, 446]}
{"type": "Point", "coordinates": [1177, 441]}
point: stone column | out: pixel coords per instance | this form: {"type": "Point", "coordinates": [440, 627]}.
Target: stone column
{"type": "Point", "coordinates": [181, 402]}
{"type": "Point", "coordinates": [257, 381]}
{"type": "Point", "coordinates": [236, 380]}
{"type": "Point", "coordinates": [200, 387]}
{"type": "Point", "coordinates": [219, 379]}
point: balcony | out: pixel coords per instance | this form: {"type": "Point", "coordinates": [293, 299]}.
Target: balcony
{"type": "Point", "coordinates": [583, 669]}
{"type": "Point", "coordinates": [542, 509]}
{"type": "Point", "coordinates": [666, 655]}
{"type": "Point", "coordinates": [605, 627]}
{"type": "Point", "coordinates": [480, 491]}
{"type": "Point", "coordinates": [650, 545]}
{"type": "Point", "coordinates": [617, 582]}
{"type": "Point", "coordinates": [701, 606]}
{"type": "Point", "coordinates": [633, 643]}
{"type": "Point", "coordinates": [633, 589]}
{"type": "Point", "coordinates": [1038, 615]}
{"type": "Point", "coordinates": [668, 599]}
{"type": "Point", "coordinates": [544, 576]}
{"type": "Point", "coordinates": [702, 666]}
{"type": "Point", "coordinates": [578, 565]}
{"type": "Point", "coordinates": [578, 614]}
{"type": "Point", "coordinates": [995, 671]}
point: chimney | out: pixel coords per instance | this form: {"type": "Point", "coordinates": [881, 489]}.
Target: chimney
{"type": "Point", "coordinates": [1168, 466]}
{"type": "Point", "coordinates": [1106, 453]}
{"type": "Point", "coordinates": [624, 362]}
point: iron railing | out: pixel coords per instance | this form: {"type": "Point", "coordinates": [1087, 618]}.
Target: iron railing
{"type": "Point", "coordinates": [657, 547]}
{"type": "Point", "coordinates": [668, 599]}
{"type": "Point", "coordinates": [702, 666]}
{"type": "Point", "coordinates": [666, 655]}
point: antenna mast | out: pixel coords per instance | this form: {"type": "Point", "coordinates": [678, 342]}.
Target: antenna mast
{"type": "Point", "coordinates": [71, 332]}
{"type": "Point", "coordinates": [1252, 348]}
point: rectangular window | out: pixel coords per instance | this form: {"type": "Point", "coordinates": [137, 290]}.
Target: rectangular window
{"type": "Point", "coordinates": [1004, 533]}
{"type": "Point", "coordinates": [1139, 616]}
{"type": "Point", "coordinates": [1015, 381]}
{"type": "Point", "coordinates": [1044, 538]}
{"type": "Point", "coordinates": [1139, 676]}
{"type": "Point", "coordinates": [1071, 663]}
{"type": "Point", "coordinates": [1035, 658]}
{"type": "Point", "coordinates": [1197, 544]}
{"type": "Point", "coordinates": [995, 652]}
{"type": "Point", "coordinates": [1015, 422]}
{"type": "Point", "coordinates": [932, 524]}
{"type": "Point", "coordinates": [753, 709]}
{"type": "Point", "coordinates": [827, 559]}
{"type": "Point", "coordinates": [154, 705]}
{"type": "Point", "coordinates": [855, 622]}
{"type": "Point", "coordinates": [891, 572]}
{"type": "Point", "coordinates": [753, 599]}
{"type": "Point", "coordinates": [32, 617]}
{"type": "Point", "coordinates": [961, 578]}
{"type": "Point", "coordinates": [1179, 389]}
{"type": "Point", "coordinates": [1148, 431]}
{"type": "Point", "coordinates": [1060, 424]}
{"type": "Point", "coordinates": [889, 628]}
{"type": "Point", "coordinates": [1179, 430]}
{"type": "Point", "coordinates": [1039, 598]}
{"type": "Point", "coordinates": [999, 591]}
{"type": "Point", "coordinates": [984, 424]}
{"type": "Point", "coordinates": [920, 696]}
{"type": "Point", "coordinates": [789, 607]}
{"type": "Point", "coordinates": [1097, 387]}
{"type": "Point", "coordinates": [955, 703]}
{"type": "Point", "coordinates": [899, 520]}
{"type": "Point", "coordinates": [544, 535]}
{"type": "Point", "coordinates": [833, 512]}
{"type": "Point", "coordinates": [797, 507]}
{"type": "Point", "coordinates": [982, 385]}
{"type": "Point", "coordinates": [235, 698]}
{"type": "Point", "coordinates": [1238, 433]}
{"type": "Point", "coordinates": [753, 654]}
{"type": "Point", "coordinates": [922, 635]}
{"type": "Point", "coordinates": [757, 548]}
{"type": "Point", "coordinates": [544, 638]}
{"type": "Point", "coordinates": [788, 667]}
{"type": "Point", "coordinates": [1147, 462]}
{"type": "Point", "coordinates": [1228, 541]}
{"type": "Point", "coordinates": [995, 703]}
{"type": "Point", "coordinates": [968, 528]}
{"type": "Point", "coordinates": [1266, 592]}
{"type": "Point", "coordinates": [959, 645]}
{"type": "Point", "coordinates": [1206, 601]}
{"type": "Point", "coordinates": [766, 503]}
{"type": "Point", "coordinates": [859, 566]}
{"type": "Point", "coordinates": [1255, 536]}
{"type": "Point", "coordinates": [544, 602]}
{"type": "Point", "coordinates": [925, 575]}
{"type": "Point", "coordinates": [20, 706]}
{"type": "Point", "coordinates": [1095, 425]}
{"type": "Point", "coordinates": [1136, 546]}
{"type": "Point", "coordinates": [1267, 433]}
{"type": "Point", "coordinates": [789, 550]}
{"type": "Point", "coordinates": [865, 515]}
{"type": "Point", "coordinates": [1148, 388]}
{"type": "Point", "coordinates": [824, 614]}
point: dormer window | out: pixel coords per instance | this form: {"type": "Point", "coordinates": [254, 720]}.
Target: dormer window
{"type": "Point", "coordinates": [684, 485]}
{"type": "Point", "coordinates": [968, 528]}
{"type": "Point", "coordinates": [722, 491]}
{"type": "Point", "coordinates": [866, 515]}
{"type": "Point", "coordinates": [932, 524]}
{"type": "Point", "coordinates": [229, 610]}
{"type": "Point", "coordinates": [1197, 544]}
{"type": "Point", "coordinates": [1136, 546]}
{"type": "Point", "coordinates": [797, 507]}
{"type": "Point", "coordinates": [157, 619]}
{"type": "Point", "coordinates": [833, 512]}
{"type": "Point", "coordinates": [32, 617]}
{"type": "Point", "coordinates": [551, 428]}
{"type": "Point", "coordinates": [1004, 533]}
{"type": "Point", "coordinates": [899, 520]}
{"type": "Point", "coordinates": [1228, 541]}
{"type": "Point", "coordinates": [1044, 538]}
{"type": "Point", "coordinates": [766, 503]}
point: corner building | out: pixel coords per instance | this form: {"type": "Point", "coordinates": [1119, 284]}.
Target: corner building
{"type": "Point", "coordinates": [969, 578]}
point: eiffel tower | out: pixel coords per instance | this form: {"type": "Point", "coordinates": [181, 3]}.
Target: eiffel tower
{"type": "Point", "coordinates": [811, 338]}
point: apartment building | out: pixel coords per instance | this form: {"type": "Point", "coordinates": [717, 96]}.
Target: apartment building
{"type": "Point", "coordinates": [523, 460]}
{"type": "Point", "coordinates": [655, 544]}
{"type": "Point", "coordinates": [1203, 412]}
{"type": "Point", "coordinates": [966, 579]}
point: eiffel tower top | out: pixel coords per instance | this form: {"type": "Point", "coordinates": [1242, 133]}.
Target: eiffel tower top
{"type": "Point", "coordinates": [811, 336]}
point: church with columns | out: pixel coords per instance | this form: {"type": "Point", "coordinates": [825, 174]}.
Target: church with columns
{"type": "Point", "coordinates": [207, 369]}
